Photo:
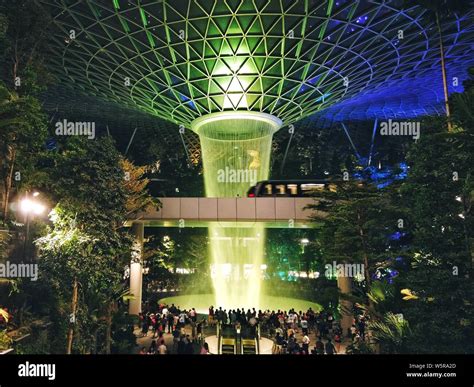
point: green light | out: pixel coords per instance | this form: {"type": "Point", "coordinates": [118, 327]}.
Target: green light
{"type": "Point", "coordinates": [351, 12]}
{"type": "Point", "coordinates": [150, 39]}
{"type": "Point", "coordinates": [116, 4]}
{"type": "Point", "coordinates": [143, 16]}
{"type": "Point", "coordinates": [323, 30]}
{"type": "Point", "coordinates": [124, 24]}
{"type": "Point", "coordinates": [330, 5]}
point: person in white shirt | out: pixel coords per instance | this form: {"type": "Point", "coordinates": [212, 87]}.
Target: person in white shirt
{"type": "Point", "coordinates": [162, 350]}
{"type": "Point", "coordinates": [306, 342]}
{"type": "Point", "coordinates": [304, 326]}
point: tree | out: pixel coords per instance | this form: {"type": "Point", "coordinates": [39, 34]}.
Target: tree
{"type": "Point", "coordinates": [357, 228]}
{"type": "Point", "coordinates": [26, 29]}
{"type": "Point", "coordinates": [463, 104]}
{"type": "Point", "coordinates": [439, 9]}
{"type": "Point", "coordinates": [83, 255]}
{"type": "Point", "coordinates": [440, 192]}
{"type": "Point", "coordinates": [22, 133]}
{"type": "Point", "coordinates": [135, 183]}
{"type": "Point", "coordinates": [360, 220]}
{"type": "Point", "coordinates": [440, 311]}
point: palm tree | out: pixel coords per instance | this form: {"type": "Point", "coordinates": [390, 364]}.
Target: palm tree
{"type": "Point", "coordinates": [438, 9]}
{"type": "Point", "coordinates": [392, 333]}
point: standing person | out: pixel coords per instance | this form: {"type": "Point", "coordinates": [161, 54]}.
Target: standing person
{"type": "Point", "coordinates": [176, 322]}
{"type": "Point", "coordinates": [193, 315]}
{"type": "Point", "coordinates": [164, 320]}
{"type": "Point", "coordinates": [176, 335]}
{"type": "Point", "coordinates": [304, 326]}
{"type": "Point", "coordinates": [156, 326]}
{"type": "Point", "coordinates": [170, 319]}
{"type": "Point", "coordinates": [306, 342]}
{"type": "Point", "coordinates": [224, 317]}
{"type": "Point", "coordinates": [189, 350]}
{"type": "Point", "coordinates": [361, 326]}
{"type": "Point", "coordinates": [253, 322]}
{"type": "Point", "coordinates": [152, 349]}
{"type": "Point", "coordinates": [182, 319]}
{"type": "Point", "coordinates": [329, 348]}
{"type": "Point", "coordinates": [292, 345]}
{"type": "Point", "coordinates": [337, 340]}
{"type": "Point", "coordinates": [199, 330]}
{"type": "Point", "coordinates": [161, 339]}
{"type": "Point", "coordinates": [353, 331]}
{"type": "Point", "coordinates": [182, 345]}
{"type": "Point", "coordinates": [319, 346]}
{"type": "Point", "coordinates": [145, 326]}
{"type": "Point", "coordinates": [210, 318]}
{"type": "Point", "coordinates": [205, 349]}
{"type": "Point", "coordinates": [162, 350]}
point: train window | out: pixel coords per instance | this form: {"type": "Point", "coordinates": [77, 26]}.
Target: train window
{"type": "Point", "coordinates": [268, 190]}
{"type": "Point", "coordinates": [293, 189]}
{"type": "Point", "coordinates": [308, 189]}
{"type": "Point", "coordinates": [280, 189]}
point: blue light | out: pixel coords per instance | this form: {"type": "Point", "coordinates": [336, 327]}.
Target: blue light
{"type": "Point", "coordinates": [382, 177]}
{"type": "Point", "coordinates": [396, 236]}
{"type": "Point", "coordinates": [51, 144]}
{"type": "Point", "coordinates": [403, 98]}
{"type": "Point", "coordinates": [323, 97]}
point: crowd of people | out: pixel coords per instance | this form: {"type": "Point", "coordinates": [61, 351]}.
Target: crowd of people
{"type": "Point", "coordinates": [283, 326]}
{"type": "Point", "coordinates": [173, 320]}
{"type": "Point", "coordinates": [290, 330]}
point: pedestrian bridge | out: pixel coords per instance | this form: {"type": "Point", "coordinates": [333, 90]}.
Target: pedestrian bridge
{"type": "Point", "coordinates": [287, 212]}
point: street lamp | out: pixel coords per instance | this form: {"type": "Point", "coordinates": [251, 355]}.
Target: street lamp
{"type": "Point", "coordinates": [303, 243]}
{"type": "Point", "coordinates": [30, 207]}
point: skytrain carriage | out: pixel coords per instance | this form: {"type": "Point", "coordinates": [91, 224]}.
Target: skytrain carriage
{"type": "Point", "coordinates": [288, 188]}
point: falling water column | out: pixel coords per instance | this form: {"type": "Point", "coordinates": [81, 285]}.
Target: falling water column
{"type": "Point", "coordinates": [236, 149]}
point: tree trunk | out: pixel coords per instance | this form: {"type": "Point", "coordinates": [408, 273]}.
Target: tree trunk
{"type": "Point", "coordinates": [364, 249]}
{"type": "Point", "coordinates": [366, 260]}
{"type": "Point", "coordinates": [8, 182]}
{"type": "Point", "coordinates": [108, 331]}
{"type": "Point", "coordinates": [443, 70]}
{"type": "Point", "coordinates": [70, 333]}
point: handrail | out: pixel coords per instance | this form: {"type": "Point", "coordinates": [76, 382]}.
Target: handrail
{"type": "Point", "coordinates": [219, 338]}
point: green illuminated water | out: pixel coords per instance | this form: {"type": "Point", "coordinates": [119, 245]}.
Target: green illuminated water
{"type": "Point", "coordinates": [236, 154]}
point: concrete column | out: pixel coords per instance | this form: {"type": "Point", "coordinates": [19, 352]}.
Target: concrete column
{"type": "Point", "coordinates": [136, 270]}
{"type": "Point", "coordinates": [345, 287]}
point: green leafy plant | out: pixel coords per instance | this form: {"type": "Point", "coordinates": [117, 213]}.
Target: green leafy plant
{"type": "Point", "coordinates": [391, 333]}
{"type": "Point", "coordinates": [5, 340]}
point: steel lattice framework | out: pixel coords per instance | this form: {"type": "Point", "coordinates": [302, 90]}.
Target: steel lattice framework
{"type": "Point", "coordinates": [183, 59]}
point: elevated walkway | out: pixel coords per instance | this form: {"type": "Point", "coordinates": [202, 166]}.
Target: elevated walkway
{"type": "Point", "coordinates": [287, 212]}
